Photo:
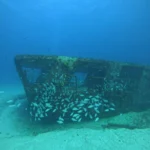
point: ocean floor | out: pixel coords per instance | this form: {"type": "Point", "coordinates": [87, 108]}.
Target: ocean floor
{"type": "Point", "coordinates": [18, 133]}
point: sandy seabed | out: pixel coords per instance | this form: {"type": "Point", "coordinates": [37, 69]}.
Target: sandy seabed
{"type": "Point", "coordinates": [16, 133]}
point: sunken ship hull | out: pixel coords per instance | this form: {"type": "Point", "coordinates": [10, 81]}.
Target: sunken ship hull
{"type": "Point", "coordinates": [69, 89]}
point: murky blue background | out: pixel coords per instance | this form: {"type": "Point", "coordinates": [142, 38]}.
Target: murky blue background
{"type": "Point", "coordinates": [108, 29]}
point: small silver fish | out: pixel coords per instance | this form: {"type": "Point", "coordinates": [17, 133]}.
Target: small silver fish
{"type": "Point", "coordinates": [106, 110]}
{"type": "Point", "coordinates": [97, 111]}
{"type": "Point", "coordinates": [64, 110]}
{"type": "Point", "coordinates": [91, 117]}
{"type": "Point", "coordinates": [39, 119]}
{"type": "Point", "coordinates": [79, 119]}
{"type": "Point", "coordinates": [73, 119]}
{"type": "Point", "coordinates": [96, 119]}
{"type": "Point", "coordinates": [48, 105]}
{"type": "Point", "coordinates": [12, 105]}
{"type": "Point", "coordinates": [80, 105]}
{"type": "Point", "coordinates": [60, 118]}
{"type": "Point", "coordinates": [19, 104]}
{"type": "Point", "coordinates": [112, 109]}
{"type": "Point", "coordinates": [78, 116]}
{"type": "Point", "coordinates": [95, 115]}
{"type": "Point", "coordinates": [86, 100]}
{"type": "Point", "coordinates": [96, 96]}
{"type": "Point", "coordinates": [71, 114]}
{"type": "Point", "coordinates": [54, 110]}
{"type": "Point", "coordinates": [85, 109]}
{"type": "Point", "coordinates": [91, 106]}
{"type": "Point", "coordinates": [35, 104]}
{"type": "Point", "coordinates": [31, 113]}
{"type": "Point", "coordinates": [60, 122]}
{"type": "Point", "coordinates": [10, 101]}
{"type": "Point", "coordinates": [86, 114]}
{"type": "Point", "coordinates": [112, 104]}
{"type": "Point", "coordinates": [75, 108]}
{"type": "Point", "coordinates": [41, 115]}
{"type": "Point", "coordinates": [105, 100]}
{"type": "Point", "coordinates": [47, 110]}
{"type": "Point", "coordinates": [75, 115]}
{"type": "Point", "coordinates": [80, 111]}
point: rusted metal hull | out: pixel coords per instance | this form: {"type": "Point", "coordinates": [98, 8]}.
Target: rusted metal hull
{"type": "Point", "coordinates": [63, 88]}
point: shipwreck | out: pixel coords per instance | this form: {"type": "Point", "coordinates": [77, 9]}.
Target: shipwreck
{"type": "Point", "coordinates": [63, 89]}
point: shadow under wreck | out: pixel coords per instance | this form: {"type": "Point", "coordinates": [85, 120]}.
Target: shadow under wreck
{"type": "Point", "coordinates": [69, 89]}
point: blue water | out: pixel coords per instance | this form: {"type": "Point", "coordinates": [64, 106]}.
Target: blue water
{"type": "Point", "coordinates": [107, 29]}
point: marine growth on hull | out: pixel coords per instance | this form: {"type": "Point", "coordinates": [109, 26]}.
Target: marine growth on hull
{"type": "Point", "coordinates": [66, 89]}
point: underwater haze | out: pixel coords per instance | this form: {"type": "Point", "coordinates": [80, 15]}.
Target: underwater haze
{"type": "Point", "coordinates": [106, 29]}
{"type": "Point", "coordinates": [66, 102]}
